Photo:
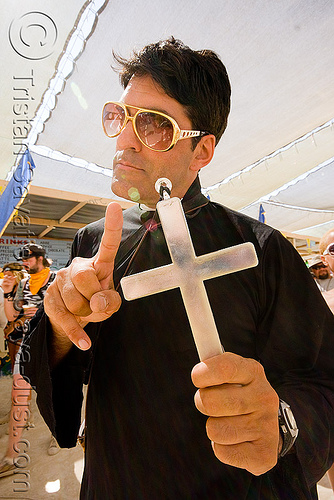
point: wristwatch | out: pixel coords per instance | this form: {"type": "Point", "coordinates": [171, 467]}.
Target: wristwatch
{"type": "Point", "coordinates": [288, 427]}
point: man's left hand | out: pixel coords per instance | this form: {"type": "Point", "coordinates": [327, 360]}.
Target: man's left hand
{"type": "Point", "coordinates": [243, 411]}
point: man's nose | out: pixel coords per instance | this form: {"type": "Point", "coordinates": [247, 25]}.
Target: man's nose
{"type": "Point", "coordinates": [128, 139]}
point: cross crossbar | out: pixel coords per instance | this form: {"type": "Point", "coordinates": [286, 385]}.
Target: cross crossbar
{"type": "Point", "coordinates": [187, 272]}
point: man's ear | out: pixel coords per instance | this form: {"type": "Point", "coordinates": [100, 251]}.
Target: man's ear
{"type": "Point", "coordinates": [203, 152]}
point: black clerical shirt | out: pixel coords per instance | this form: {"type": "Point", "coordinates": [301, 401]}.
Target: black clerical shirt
{"type": "Point", "coordinates": [145, 439]}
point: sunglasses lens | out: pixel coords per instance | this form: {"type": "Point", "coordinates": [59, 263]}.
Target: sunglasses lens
{"type": "Point", "coordinates": [113, 117]}
{"type": "Point", "coordinates": [318, 266]}
{"type": "Point", "coordinates": [154, 130]}
{"type": "Point", "coordinates": [331, 249]}
{"type": "Point", "coordinates": [24, 253]}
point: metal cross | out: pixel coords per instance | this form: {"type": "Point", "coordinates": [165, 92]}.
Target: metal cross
{"type": "Point", "coordinates": [188, 272]}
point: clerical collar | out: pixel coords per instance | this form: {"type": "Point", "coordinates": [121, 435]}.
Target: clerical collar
{"type": "Point", "coordinates": [192, 200]}
{"type": "Point", "coordinates": [145, 208]}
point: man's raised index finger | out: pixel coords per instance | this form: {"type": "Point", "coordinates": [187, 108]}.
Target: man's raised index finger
{"type": "Point", "coordinates": [110, 239]}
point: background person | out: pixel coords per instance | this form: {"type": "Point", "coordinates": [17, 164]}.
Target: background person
{"type": "Point", "coordinates": [21, 308]}
{"type": "Point", "coordinates": [5, 361]}
{"type": "Point", "coordinates": [12, 286]}
{"type": "Point", "coordinates": [321, 273]}
{"type": "Point", "coordinates": [326, 247]}
{"type": "Point", "coordinates": [3, 317]}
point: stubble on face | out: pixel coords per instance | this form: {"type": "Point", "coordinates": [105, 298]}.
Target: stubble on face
{"type": "Point", "coordinates": [323, 274]}
{"type": "Point", "coordinates": [33, 266]}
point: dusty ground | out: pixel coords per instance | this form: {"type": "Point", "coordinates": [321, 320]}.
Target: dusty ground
{"type": "Point", "coordinates": [60, 474]}
{"type": "Point", "coordinates": [55, 477]}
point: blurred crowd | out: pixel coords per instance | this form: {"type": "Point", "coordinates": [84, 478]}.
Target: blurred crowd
{"type": "Point", "coordinates": [23, 284]}
{"type": "Point", "coordinates": [322, 269]}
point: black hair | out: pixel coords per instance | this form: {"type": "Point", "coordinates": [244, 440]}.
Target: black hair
{"type": "Point", "coordinates": [197, 79]}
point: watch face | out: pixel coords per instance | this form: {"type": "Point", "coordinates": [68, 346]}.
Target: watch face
{"type": "Point", "coordinates": [290, 421]}
{"type": "Point", "coordinates": [290, 418]}
{"type": "Point", "coordinates": [288, 427]}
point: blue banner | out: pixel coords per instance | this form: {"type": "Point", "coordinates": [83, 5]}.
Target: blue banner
{"type": "Point", "coordinates": [16, 190]}
{"type": "Point", "coordinates": [262, 214]}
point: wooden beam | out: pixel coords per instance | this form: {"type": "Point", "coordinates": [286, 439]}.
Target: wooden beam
{"type": "Point", "coordinates": [55, 223]}
{"type": "Point", "coordinates": [300, 236]}
{"type": "Point", "coordinates": [67, 195]}
{"type": "Point", "coordinates": [73, 211]}
{"type": "Point", "coordinates": [45, 231]}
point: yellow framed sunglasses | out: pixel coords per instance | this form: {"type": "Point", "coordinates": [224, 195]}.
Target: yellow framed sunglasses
{"type": "Point", "coordinates": [154, 129]}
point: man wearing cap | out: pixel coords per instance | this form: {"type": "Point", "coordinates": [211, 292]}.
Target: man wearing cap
{"type": "Point", "coordinates": [321, 273]}
{"type": "Point", "coordinates": [326, 247]}
{"type": "Point", "coordinates": [24, 305]}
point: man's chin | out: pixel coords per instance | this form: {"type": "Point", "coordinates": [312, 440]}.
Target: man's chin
{"type": "Point", "coordinates": [124, 189]}
{"type": "Point", "coordinates": [119, 188]}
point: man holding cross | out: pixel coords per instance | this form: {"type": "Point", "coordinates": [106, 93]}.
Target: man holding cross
{"type": "Point", "coordinates": [264, 412]}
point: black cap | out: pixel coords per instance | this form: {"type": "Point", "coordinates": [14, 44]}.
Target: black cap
{"type": "Point", "coordinates": [31, 250]}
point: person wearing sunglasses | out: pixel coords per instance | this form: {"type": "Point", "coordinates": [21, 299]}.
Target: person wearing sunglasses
{"type": "Point", "coordinates": [20, 306]}
{"type": "Point", "coordinates": [326, 248]}
{"type": "Point", "coordinates": [248, 434]}
{"type": "Point", "coordinates": [321, 273]}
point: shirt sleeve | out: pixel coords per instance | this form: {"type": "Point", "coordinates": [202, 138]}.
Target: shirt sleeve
{"type": "Point", "coordinates": [59, 392]}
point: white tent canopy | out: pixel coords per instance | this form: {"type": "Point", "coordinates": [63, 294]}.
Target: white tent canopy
{"type": "Point", "coordinates": [278, 149]}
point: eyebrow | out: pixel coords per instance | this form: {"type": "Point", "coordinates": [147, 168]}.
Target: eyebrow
{"type": "Point", "coordinates": [159, 110]}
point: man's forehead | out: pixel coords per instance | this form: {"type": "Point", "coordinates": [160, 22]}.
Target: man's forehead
{"type": "Point", "coordinates": [143, 91]}
{"type": "Point", "coordinates": [330, 240]}
{"type": "Point", "coordinates": [144, 84]}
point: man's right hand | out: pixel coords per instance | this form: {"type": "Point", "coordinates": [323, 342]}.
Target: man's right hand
{"type": "Point", "coordinates": [84, 291]}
